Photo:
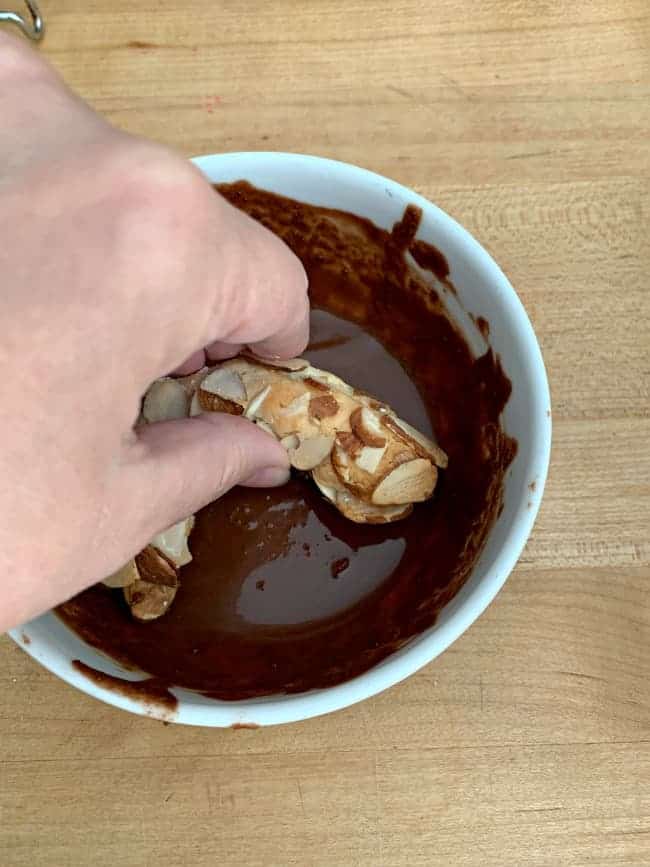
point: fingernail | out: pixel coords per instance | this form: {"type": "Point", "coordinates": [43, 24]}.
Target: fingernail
{"type": "Point", "coordinates": [269, 477]}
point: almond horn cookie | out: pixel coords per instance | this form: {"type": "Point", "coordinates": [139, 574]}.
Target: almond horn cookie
{"type": "Point", "coordinates": [370, 464]}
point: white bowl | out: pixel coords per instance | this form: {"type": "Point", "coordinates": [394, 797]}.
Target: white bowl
{"type": "Point", "coordinates": [483, 291]}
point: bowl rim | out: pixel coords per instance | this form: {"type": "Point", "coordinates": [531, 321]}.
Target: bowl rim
{"type": "Point", "coordinates": [422, 649]}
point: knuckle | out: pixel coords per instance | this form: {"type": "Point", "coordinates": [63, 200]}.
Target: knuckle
{"type": "Point", "coordinates": [158, 197]}
{"type": "Point", "coordinates": [149, 174]}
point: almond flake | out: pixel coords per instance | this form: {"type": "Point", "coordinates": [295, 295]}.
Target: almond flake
{"type": "Point", "coordinates": [298, 405]}
{"type": "Point", "coordinates": [148, 601]}
{"type": "Point", "coordinates": [155, 568]}
{"type": "Point", "coordinates": [315, 384]}
{"type": "Point", "coordinates": [423, 446]}
{"type": "Point", "coordinates": [213, 403]}
{"type": "Point", "coordinates": [310, 452]}
{"type": "Point", "coordinates": [369, 458]}
{"type": "Point", "coordinates": [166, 399]}
{"type": "Point", "coordinates": [349, 442]}
{"type": "Point", "coordinates": [290, 441]}
{"type": "Point", "coordinates": [324, 378]}
{"type": "Point", "coordinates": [366, 426]}
{"type": "Point", "coordinates": [323, 406]}
{"type": "Point", "coordinates": [327, 481]}
{"type": "Point", "coordinates": [226, 384]}
{"type": "Point", "coordinates": [192, 381]}
{"type": "Point", "coordinates": [123, 577]}
{"type": "Point", "coordinates": [172, 542]}
{"type": "Point", "coordinates": [257, 401]}
{"type": "Point", "coordinates": [291, 365]}
{"type": "Point", "coordinates": [355, 509]}
{"type": "Point", "coordinates": [410, 482]}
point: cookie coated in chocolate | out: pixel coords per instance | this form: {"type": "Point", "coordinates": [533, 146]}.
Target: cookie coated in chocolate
{"type": "Point", "coordinates": [283, 593]}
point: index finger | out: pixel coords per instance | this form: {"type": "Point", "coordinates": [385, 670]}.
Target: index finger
{"type": "Point", "coordinates": [263, 292]}
{"type": "Point", "coordinates": [257, 291]}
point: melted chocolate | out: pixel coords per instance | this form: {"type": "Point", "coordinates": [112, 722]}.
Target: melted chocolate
{"type": "Point", "coordinates": [430, 258]}
{"type": "Point", "coordinates": [153, 690]}
{"type": "Point", "coordinates": [483, 326]}
{"type": "Point", "coordinates": [283, 593]}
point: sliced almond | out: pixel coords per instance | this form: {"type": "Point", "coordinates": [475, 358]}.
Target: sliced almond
{"type": "Point", "coordinates": [148, 601]}
{"type": "Point", "coordinates": [287, 410]}
{"type": "Point", "coordinates": [324, 377]}
{"type": "Point", "coordinates": [388, 514]}
{"type": "Point", "coordinates": [222, 390]}
{"type": "Point", "coordinates": [192, 381]}
{"type": "Point", "coordinates": [166, 399]}
{"type": "Point", "coordinates": [366, 426]}
{"type": "Point", "coordinates": [354, 477]}
{"type": "Point", "coordinates": [256, 402]}
{"type": "Point", "coordinates": [227, 384]}
{"type": "Point", "coordinates": [298, 405]}
{"type": "Point", "coordinates": [240, 365]}
{"type": "Point", "coordinates": [290, 441]}
{"type": "Point", "coordinates": [155, 568]}
{"type": "Point", "coordinates": [349, 443]}
{"type": "Point", "coordinates": [369, 458]}
{"type": "Point", "coordinates": [410, 482]}
{"type": "Point", "coordinates": [323, 406]}
{"type": "Point", "coordinates": [310, 452]}
{"type": "Point", "coordinates": [423, 446]}
{"type": "Point", "coordinates": [315, 384]}
{"type": "Point", "coordinates": [431, 448]}
{"type": "Point", "coordinates": [372, 402]}
{"type": "Point", "coordinates": [213, 403]}
{"type": "Point", "coordinates": [123, 577]}
{"type": "Point", "coordinates": [355, 509]}
{"type": "Point", "coordinates": [327, 480]}
{"type": "Point", "coordinates": [341, 463]}
{"type": "Point", "coordinates": [172, 542]}
{"type": "Point", "coordinates": [289, 364]}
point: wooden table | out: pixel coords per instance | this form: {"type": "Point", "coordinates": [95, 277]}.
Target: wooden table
{"type": "Point", "coordinates": [528, 742]}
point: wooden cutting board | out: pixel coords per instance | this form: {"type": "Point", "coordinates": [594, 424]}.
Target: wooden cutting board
{"type": "Point", "coordinates": [528, 742]}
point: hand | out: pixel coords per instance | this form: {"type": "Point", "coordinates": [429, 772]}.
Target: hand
{"type": "Point", "coordinates": [118, 264]}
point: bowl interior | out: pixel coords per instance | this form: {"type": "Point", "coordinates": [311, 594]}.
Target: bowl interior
{"type": "Point", "coordinates": [482, 291]}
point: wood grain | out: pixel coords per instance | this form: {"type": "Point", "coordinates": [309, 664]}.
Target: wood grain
{"type": "Point", "coordinates": [528, 742]}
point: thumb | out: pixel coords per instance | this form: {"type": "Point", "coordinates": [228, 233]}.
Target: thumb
{"type": "Point", "coordinates": [180, 466]}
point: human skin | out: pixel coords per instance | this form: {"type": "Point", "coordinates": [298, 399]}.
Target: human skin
{"type": "Point", "coordinates": [118, 264]}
